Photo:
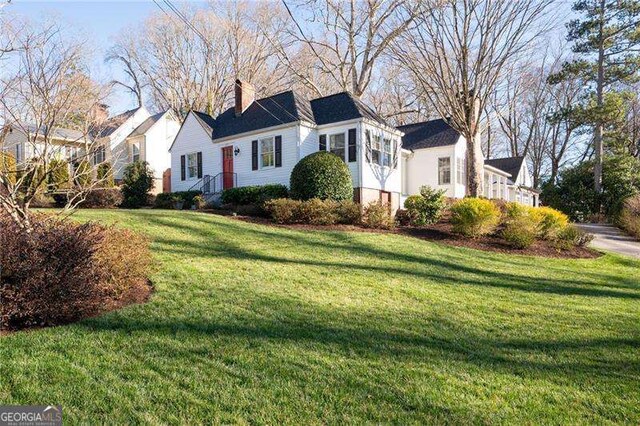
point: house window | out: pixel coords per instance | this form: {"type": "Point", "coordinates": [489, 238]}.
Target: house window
{"type": "Point", "coordinates": [387, 154]}
{"type": "Point", "coordinates": [487, 185]}
{"type": "Point", "coordinates": [461, 170]}
{"type": "Point", "coordinates": [375, 150]}
{"type": "Point", "coordinates": [444, 171]}
{"type": "Point", "coordinates": [99, 155]}
{"type": "Point", "coordinates": [135, 152]}
{"type": "Point", "coordinates": [19, 153]}
{"type": "Point", "coordinates": [496, 187]}
{"type": "Point", "coordinates": [192, 165]}
{"type": "Point", "coordinates": [337, 144]}
{"type": "Point", "coordinates": [267, 153]}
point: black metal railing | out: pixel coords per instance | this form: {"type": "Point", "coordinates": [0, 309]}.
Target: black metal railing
{"type": "Point", "coordinates": [211, 185]}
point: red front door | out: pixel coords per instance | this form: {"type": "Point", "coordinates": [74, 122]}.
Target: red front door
{"type": "Point", "coordinates": [227, 167]}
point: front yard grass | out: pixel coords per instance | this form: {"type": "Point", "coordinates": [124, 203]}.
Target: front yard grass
{"type": "Point", "coordinates": [257, 324]}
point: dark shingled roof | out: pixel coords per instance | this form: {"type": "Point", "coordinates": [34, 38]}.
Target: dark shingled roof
{"type": "Point", "coordinates": [290, 107]}
{"type": "Point", "coordinates": [341, 107]}
{"type": "Point", "coordinates": [285, 107]}
{"type": "Point", "coordinates": [428, 134]}
{"type": "Point", "coordinates": [146, 124]}
{"type": "Point", "coordinates": [206, 120]}
{"type": "Point", "coordinates": [511, 165]}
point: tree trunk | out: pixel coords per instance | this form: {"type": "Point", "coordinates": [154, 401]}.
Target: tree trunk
{"type": "Point", "coordinates": [475, 172]}
{"type": "Point", "coordinates": [597, 139]}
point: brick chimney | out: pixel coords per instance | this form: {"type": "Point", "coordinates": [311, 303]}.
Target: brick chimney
{"type": "Point", "coordinates": [245, 95]}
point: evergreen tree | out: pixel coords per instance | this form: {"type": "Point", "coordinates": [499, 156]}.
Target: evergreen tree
{"type": "Point", "coordinates": [606, 39]}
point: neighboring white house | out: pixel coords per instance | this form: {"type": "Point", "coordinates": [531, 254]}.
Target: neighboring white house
{"type": "Point", "coordinates": [434, 155]}
{"type": "Point", "coordinates": [136, 135]}
{"type": "Point", "coordinates": [260, 141]}
{"type": "Point", "coordinates": [25, 142]}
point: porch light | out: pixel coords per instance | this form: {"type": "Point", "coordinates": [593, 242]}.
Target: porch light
{"type": "Point", "coordinates": [236, 151]}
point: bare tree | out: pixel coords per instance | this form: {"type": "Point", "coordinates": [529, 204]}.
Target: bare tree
{"type": "Point", "coordinates": [458, 53]}
{"type": "Point", "coordinates": [346, 38]}
{"type": "Point", "coordinates": [46, 97]}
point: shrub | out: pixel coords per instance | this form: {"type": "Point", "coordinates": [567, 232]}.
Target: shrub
{"type": "Point", "coordinates": [102, 198]}
{"type": "Point", "coordinates": [474, 217]}
{"type": "Point", "coordinates": [377, 215]}
{"type": "Point", "coordinates": [520, 232]}
{"type": "Point", "coordinates": [552, 222]}
{"type": "Point", "coordinates": [83, 174]}
{"type": "Point", "coordinates": [630, 217]}
{"type": "Point", "coordinates": [199, 202]}
{"type": "Point", "coordinates": [522, 225]}
{"type": "Point", "coordinates": [426, 208]}
{"type": "Point", "coordinates": [283, 210]}
{"type": "Point", "coordinates": [58, 177]}
{"type": "Point", "coordinates": [137, 182]}
{"type": "Point", "coordinates": [171, 200]}
{"type": "Point", "coordinates": [257, 194]}
{"type": "Point", "coordinates": [571, 237]}
{"type": "Point", "coordinates": [104, 174]}
{"type": "Point", "coordinates": [63, 271]}
{"type": "Point", "coordinates": [348, 212]}
{"type": "Point", "coordinates": [41, 200]}
{"type": "Point", "coordinates": [404, 217]}
{"type": "Point", "coordinates": [317, 212]}
{"type": "Point", "coordinates": [8, 166]}
{"type": "Point", "coordinates": [321, 175]}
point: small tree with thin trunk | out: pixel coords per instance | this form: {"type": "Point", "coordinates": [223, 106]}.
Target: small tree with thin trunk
{"type": "Point", "coordinates": [458, 52]}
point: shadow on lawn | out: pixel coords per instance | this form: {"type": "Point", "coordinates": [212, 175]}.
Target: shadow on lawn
{"type": "Point", "coordinates": [211, 240]}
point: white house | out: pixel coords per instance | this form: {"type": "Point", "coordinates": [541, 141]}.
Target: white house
{"type": "Point", "coordinates": [260, 141]}
{"type": "Point", "coordinates": [434, 154]}
{"type": "Point", "coordinates": [136, 135]}
{"type": "Point", "coordinates": [24, 142]}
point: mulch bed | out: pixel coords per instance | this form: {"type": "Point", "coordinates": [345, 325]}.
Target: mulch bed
{"type": "Point", "coordinates": [442, 233]}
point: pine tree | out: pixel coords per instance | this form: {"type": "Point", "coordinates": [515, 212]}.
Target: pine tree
{"type": "Point", "coordinates": [606, 40]}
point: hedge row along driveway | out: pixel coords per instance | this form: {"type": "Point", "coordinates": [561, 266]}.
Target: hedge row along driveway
{"type": "Point", "coordinates": [256, 324]}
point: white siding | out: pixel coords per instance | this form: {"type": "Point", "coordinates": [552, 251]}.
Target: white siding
{"type": "Point", "coordinates": [118, 154]}
{"type": "Point", "coordinates": [375, 176]}
{"type": "Point", "coordinates": [422, 169]}
{"type": "Point", "coordinates": [331, 129]}
{"type": "Point", "coordinates": [242, 161]}
{"type": "Point", "coordinates": [156, 145]}
{"type": "Point", "coordinates": [192, 137]}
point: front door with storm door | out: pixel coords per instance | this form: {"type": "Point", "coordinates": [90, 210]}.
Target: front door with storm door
{"type": "Point", "coordinates": [227, 167]}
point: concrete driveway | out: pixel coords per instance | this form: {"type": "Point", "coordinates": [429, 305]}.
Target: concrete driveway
{"type": "Point", "coordinates": [609, 238]}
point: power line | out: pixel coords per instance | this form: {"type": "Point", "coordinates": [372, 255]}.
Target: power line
{"type": "Point", "coordinates": [184, 19]}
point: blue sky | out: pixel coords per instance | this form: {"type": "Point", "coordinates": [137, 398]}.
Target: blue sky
{"type": "Point", "coordinates": [100, 20]}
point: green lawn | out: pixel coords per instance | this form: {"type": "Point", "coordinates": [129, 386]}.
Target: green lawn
{"type": "Point", "coordinates": [255, 324]}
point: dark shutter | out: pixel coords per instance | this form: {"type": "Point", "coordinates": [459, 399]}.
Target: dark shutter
{"type": "Point", "coordinates": [183, 168]}
{"type": "Point", "coordinates": [322, 146]}
{"type": "Point", "coordinates": [278, 151]}
{"type": "Point", "coordinates": [254, 155]}
{"type": "Point", "coordinates": [352, 145]}
{"type": "Point", "coordinates": [200, 165]}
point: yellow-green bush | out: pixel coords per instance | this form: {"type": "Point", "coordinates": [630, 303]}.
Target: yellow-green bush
{"type": "Point", "coordinates": [474, 217]}
{"type": "Point", "coordinates": [377, 215]}
{"type": "Point", "coordinates": [521, 225]}
{"type": "Point", "coordinates": [552, 222]}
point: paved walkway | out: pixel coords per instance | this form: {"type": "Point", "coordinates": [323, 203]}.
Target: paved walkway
{"type": "Point", "coordinates": [610, 238]}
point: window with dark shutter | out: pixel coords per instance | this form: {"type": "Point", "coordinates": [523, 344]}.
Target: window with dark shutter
{"type": "Point", "coordinates": [254, 155]}
{"type": "Point", "coordinates": [322, 146]}
{"type": "Point", "coordinates": [199, 165]}
{"type": "Point", "coordinates": [278, 151]}
{"type": "Point", "coordinates": [352, 145]}
{"type": "Point", "coordinates": [183, 167]}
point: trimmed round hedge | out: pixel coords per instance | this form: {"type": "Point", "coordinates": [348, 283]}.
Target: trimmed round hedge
{"type": "Point", "coordinates": [321, 175]}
